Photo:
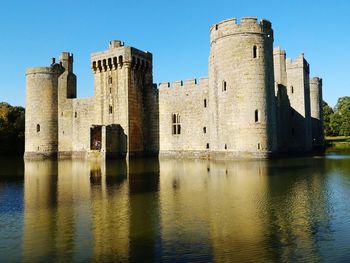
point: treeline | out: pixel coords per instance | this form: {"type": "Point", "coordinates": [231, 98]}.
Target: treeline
{"type": "Point", "coordinates": [337, 120]}
{"type": "Point", "coordinates": [11, 129]}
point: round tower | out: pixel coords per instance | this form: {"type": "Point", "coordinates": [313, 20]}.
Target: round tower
{"type": "Point", "coordinates": [316, 111]}
{"type": "Point", "coordinates": [41, 120]}
{"type": "Point", "coordinates": [241, 84]}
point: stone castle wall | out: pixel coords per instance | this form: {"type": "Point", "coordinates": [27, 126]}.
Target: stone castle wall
{"type": "Point", "coordinates": [294, 99]}
{"type": "Point", "coordinates": [299, 96]}
{"type": "Point", "coordinates": [242, 89]}
{"type": "Point", "coordinates": [184, 105]}
{"type": "Point", "coordinates": [41, 111]}
{"type": "Point", "coordinates": [123, 84]}
{"type": "Point", "coordinates": [316, 111]}
{"type": "Point", "coordinates": [254, 104]}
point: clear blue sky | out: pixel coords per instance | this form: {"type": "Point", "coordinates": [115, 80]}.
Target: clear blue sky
{"type": "Point", "coordinates": [176, 32]}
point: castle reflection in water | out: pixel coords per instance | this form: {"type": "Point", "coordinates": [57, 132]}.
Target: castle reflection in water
{"type": "Point", "coordinates": [151, 210]}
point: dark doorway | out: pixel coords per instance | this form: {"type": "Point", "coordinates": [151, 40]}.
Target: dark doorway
{"type": "Point", "coordinates": [96, 138]}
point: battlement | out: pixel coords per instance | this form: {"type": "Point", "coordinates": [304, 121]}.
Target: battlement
{"type": "Point", "coordinates": [279, 51]}
{"type": "Point", "coordinates": [247, 25]}
{"type": "Point", "coordinates": [115, 44]}
{"type": "Point", "coordinates": [119, 55]}
{"type": "Point", "coordinates": [183, 85]}
{"type": "Point", "coordinates": [299, 62]}
{"type": "Point", "coordinates": [66, 60]}
{"type": "Point", "coordinates": [316, 80]}
{"type": "Point", "coordinates": [315, 84]}
{"type": "Point", "coordinates": [53, 69]}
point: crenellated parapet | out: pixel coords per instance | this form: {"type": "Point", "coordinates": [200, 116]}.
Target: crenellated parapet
{"type": "Point", "coordinates": [180, 85]}
{"type": "Point", "coordinates": [299, 62]}
{"type": "Point", "coordinates": [246, 25]}
{"type": "Point", "coordinates": [118, 56]}
{"type": "Point", "coordinates": [279, 51]}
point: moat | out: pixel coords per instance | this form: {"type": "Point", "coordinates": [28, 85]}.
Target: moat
{"type": "Point", "coordinates": [146, 210]}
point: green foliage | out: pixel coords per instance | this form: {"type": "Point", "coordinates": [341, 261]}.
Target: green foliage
{"type": "Point", "coordinates": [335, 124]}
{"type": "Point", "coordinates": [11, 129]}
{"type": "Point", "coordinates": [337, 121]}
{"type": "Point", "coordinates": [327, 114]}
{"type": "Point", "coordinates": [343, 108]}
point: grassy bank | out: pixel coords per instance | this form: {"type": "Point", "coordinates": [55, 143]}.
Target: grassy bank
{"type": "Point", "coordinates": [338, 141]}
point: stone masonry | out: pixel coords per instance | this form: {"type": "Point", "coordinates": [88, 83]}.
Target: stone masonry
{"type": "Point", "coordinates": [254, 104]}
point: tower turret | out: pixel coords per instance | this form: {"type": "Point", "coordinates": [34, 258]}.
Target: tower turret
{"type": "Point", "coordinates": [298, 90]}
{"type": "Point", "coordinates": [124, 95]}
{"type": "Point", "coordinates": [241, 94]}
{"type": "Point", "coordinates": [41, 125]}
{"type": "Point", "coordinates": [316, 112]}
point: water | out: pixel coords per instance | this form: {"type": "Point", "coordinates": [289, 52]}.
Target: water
{"type": "Point", "coordinates": [145, 210]}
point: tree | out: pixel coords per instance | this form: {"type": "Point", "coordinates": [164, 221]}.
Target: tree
{"type": "Point", "coordinates": [335, 123]}
{"type": "Point", "coordinates": [11, 129]}
{"type": "Point", "coordinates": [343, 110]}
{"type": "Point", "coordinates": [327, 114]}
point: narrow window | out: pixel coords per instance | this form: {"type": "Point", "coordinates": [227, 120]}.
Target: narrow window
{"type": "Point", "coordinates": [207, 145]}
{"type": "Point", "coordinates": [255, 51]}
{"type": "Point", "coordinates": [37, 128]}
{"type": "Point", "coordinates": [224, 85]}
{"type": "Point", "coordinates": [258, 146]}
{"type": "Point", "coordinates": [110, 109]}
{"type": "Point", "coordinates": [176, 125]}
{"type": "Point", "coordinates": [110, 80]}
{"type": "Point", "coordinates": [178, 129]}
{"type": "Point", "coordinates": [205, 129]}
{"type": "Point", "coordinates": [205, 103]}
{"type": "Point", "coordinates": [291, 89]}
{"type": "Point", "coordinates": [225, 146]}
{"type": "Point", "coordinates": [216, 27]}
{"type": "Point", "coordinates": [110, 90]}
{"type": "Point", "coordinates": [75, 114]}
{"type": "Point", "coordinates": [256, 116]}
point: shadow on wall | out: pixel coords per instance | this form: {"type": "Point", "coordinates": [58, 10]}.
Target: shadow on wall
{"type": "Point", "coordinates": [292, 132]}
{"type": "Point", "coordinates": [116, 141]}
{"type": "Point", "coordinates": [151, 121]}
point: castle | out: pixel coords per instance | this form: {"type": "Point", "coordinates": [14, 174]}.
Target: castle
{"type": "Point", "coordinates": [255, 103]}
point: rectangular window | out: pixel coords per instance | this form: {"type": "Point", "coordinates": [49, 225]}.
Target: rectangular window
{"type": "Point", "coordinates": [176, 125]}
{"type": "Point", "coordinates": [110, 80]}
{"type": "Point", "coordinates": [205, 103]}
{"type": "Point", "coordinates": [255, 52]}
{"type": "Point", "coordinates": [224, 85]}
